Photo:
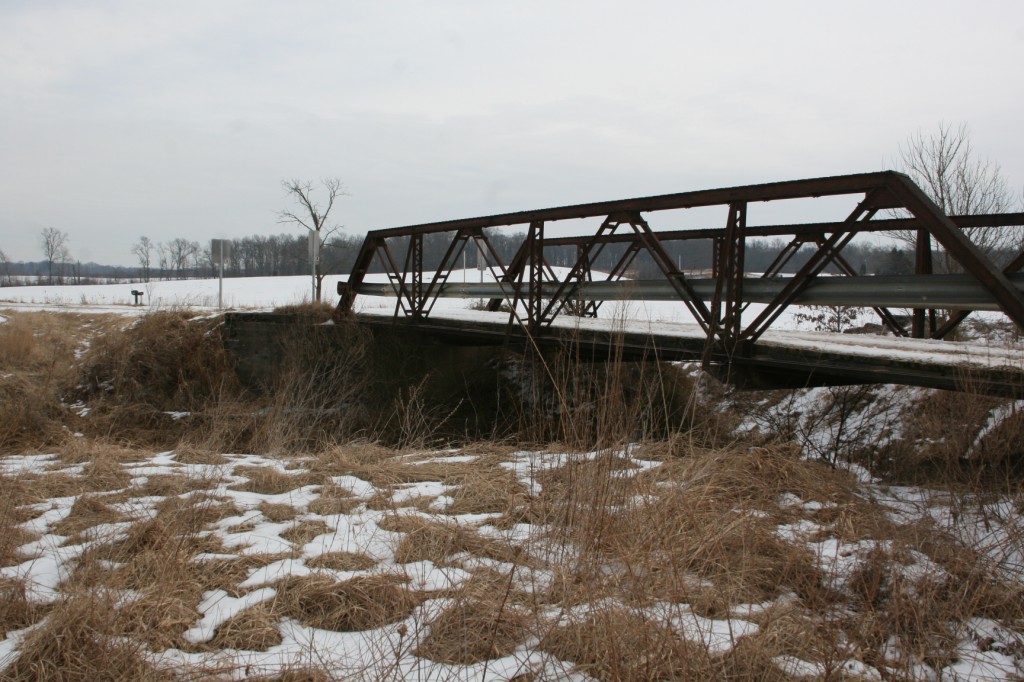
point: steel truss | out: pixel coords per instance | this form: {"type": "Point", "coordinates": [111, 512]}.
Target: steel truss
{"type": "Point", "coordinates": [537, 296]}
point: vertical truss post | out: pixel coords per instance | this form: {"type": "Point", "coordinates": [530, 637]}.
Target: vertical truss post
{"type": "Point", "coordinates": [535, 290]}
{"type": "Point", "coordinates": [586, 308]}
{"type": "Point", "coordinates": [716, 256]}
{"type": "Point", "coordinates": [727, 301]}
{"type": "Point", "coordinates": [732, 271]}
{"type": "Point", "coordinates": [922, 266]}
{"type": "Point", "coordinates": [414, 270]}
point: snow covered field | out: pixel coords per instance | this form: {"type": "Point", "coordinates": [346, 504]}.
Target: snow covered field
{"type": "Point", "coordinates": [266, 293]}
{"type": "Point", "coordinates": [408, 534]}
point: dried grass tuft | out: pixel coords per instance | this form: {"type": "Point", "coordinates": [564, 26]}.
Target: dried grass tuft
{"type": "Point", "coordinates": [190, 454]}
{"type": "Point", "coordinates": [341, 561]}
{"type": "Point", "coordinates": [270, 481]}
{"type": "Point", "coordinates": [17, 611]}
{"type": "Point", "coordinates": [363, 603]}
{"type": "Point", "coordinates": [333, 500]}
{"type": "Point", "coordinates": [304, 531]}
{"type": "Point", "coordinates": [475, 629]}
{"type": "Point", "coordinates": [87, 511]}
{"type": "Point", "coordinates": [277, 513]}
{"type": "Point", "coordinates": [436, 541]}
{"type": "Point", "coordinates": [254, 629]}
{"type": "Point", "coordinates": [79, 642]}
{"type": "Point", "coordinates": [617, 644]}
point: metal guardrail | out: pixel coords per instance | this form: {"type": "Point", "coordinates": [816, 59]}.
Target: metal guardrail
{"type": "Point", "coordinates": [936, 291]}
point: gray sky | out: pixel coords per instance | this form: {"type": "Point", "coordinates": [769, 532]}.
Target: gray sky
{"type": "Point", "coordinates": [180, 119]}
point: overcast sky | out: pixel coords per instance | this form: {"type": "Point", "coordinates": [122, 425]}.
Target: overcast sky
{"type": "Point", "coordinates": [180, 119]}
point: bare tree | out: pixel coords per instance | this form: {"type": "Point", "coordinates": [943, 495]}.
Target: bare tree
{"type": "Point", "coordinates": [181, 253]}
{"type": "Point", "coordinates": [313, 216]}
{"type": "Point", "coordinates": [55, 251]}
{"type": "Point", "coordinates": [5, 262]}
{"type": "Point", "coordinates": [143, 250]}
{"type": "Point", "coordinates": [960, 182]}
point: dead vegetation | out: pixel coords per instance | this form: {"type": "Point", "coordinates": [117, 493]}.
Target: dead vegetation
{"type": "Point", "coordinates": [363, 603]}
{"type": "Point", "coordinates": [637, 516]}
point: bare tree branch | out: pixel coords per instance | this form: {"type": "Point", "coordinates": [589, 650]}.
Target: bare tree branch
{"type": "Point", "coordinates": [55, 250]}
{"type": "Point", "coordinates": [960, 182]}
{"type": "Point", "coordinates": [311, 216]}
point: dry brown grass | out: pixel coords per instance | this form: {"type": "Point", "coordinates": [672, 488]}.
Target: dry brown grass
{"type": "Point", "coordinates": [304, 531]}
{"type": "Point", "coordinates": [363, 603]}
{"type": "Point", "coordinates": [165, 359]}
{"type": "Point", "coordinates": [86, 512]}
{"type": "Point", "coordinates": [425, 539]}
{"type": "Point", "coordinates": [79, 642]}
{"type": "Point", "coordinates": [226, 574]}
{"type": "Point", "coordinates": [161, 485]}
{"type": "Point", "coordinates": [196, 455]}
{"type": "Point", "coordinates": [474, 629]}
{"type": "Point", "coordinates": [82, 449]}
{"type": "Point", "coordinates": [254, 629]}
{"type": "Point", "coordinates": [277, 513]}
{"type": "Point", "coordinates": [30, 413]}
{"type": "Point", "coordinates": [621, 644]}
{"type": "Point", "coordinates": [269, 481]}
{"type": "Point", "coordinates": [17, 611]}
{"type": "Point", "coordinates": [298, 674]}
{"type": "Point", "coordinates": [333, 500]}
{"type": "Point", "coordinates": [341, 561]}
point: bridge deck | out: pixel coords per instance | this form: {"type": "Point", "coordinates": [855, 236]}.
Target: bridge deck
{"type": "Point", "coordinates": [779, 359]}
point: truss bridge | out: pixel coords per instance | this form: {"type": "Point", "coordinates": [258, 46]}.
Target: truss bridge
{"type": "Point", "coordinates": [540, 287]}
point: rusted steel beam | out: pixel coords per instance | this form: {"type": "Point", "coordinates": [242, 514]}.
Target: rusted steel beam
{"type": "Point", "coordinates": [406, 300]}
{"type": "Point", "coordinates": [725, 327]}
{"type": "Point", "coordinates": [922, 266]}
{"type": "Point", "coordinates": [535, 298]}
{"type": "Point", "coordinates": [674, 275]}
{"type": "Point", "coordinates": [956, 243]}
{"type": "Point", "coordinates": [826, 251]}
{"type": "Point", "coordinates": [364, 259]}
{"type": "Point", "coordinates": [772, 191]}
{"type": "Point", "coordinates": [444, 270]}
{"type": "Point", "coordinates": [557, 302]}
{"type": "Point", "coordinates": [808, 231]}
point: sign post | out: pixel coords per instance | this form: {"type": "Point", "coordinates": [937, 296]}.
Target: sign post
{"type": "Point", "coordinates": [314, 257]}
{"type": "Point", "coordinates": [219, 251]}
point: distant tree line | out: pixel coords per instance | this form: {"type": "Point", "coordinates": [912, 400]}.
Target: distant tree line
{"type": "Point", "coordinates": [288, 254]}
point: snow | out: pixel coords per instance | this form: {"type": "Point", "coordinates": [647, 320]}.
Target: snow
{"type": "Point", "coordinates": [988, 649]}
{"type": "Point", "coordinates": [218, 607]}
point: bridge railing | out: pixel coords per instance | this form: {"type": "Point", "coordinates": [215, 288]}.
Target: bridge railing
{"type": "Point", "coordinates": [530, 287]}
